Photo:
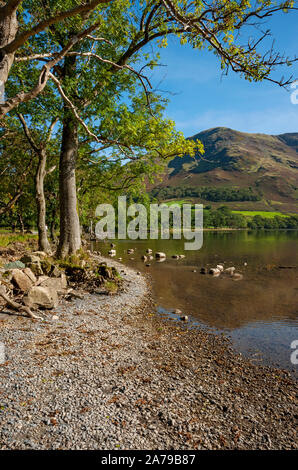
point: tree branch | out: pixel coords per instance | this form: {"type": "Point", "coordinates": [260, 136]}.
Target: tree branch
{"type": "Point", "coordinates": [22, 38]}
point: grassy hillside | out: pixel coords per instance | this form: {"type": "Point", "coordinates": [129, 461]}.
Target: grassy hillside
{"type": "Point", "coordinates": [263, 164]}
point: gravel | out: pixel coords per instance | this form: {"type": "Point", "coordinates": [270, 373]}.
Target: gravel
{"type": "Point", "coordinates": [107, 372]}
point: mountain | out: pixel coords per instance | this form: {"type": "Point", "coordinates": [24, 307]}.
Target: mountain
{"type": "Point", "coordinates": [266, 164]}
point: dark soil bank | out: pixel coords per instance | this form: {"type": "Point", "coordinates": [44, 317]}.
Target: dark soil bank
{"type": "Point", "coordinates": [106, 372]}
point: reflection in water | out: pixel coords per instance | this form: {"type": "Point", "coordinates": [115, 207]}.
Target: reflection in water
{"type": "Point", "coordinates": [259, 312]}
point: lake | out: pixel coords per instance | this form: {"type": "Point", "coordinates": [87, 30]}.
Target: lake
{"type": "Point", "coordinates": [258, 313]}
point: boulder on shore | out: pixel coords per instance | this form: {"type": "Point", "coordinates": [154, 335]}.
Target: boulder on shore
{"type": "Point", "coordinates": [14, 265]}
{"type": "Point", "coordinates": [29, 258]}
{"type": "Point", "coordinates": [21, 280]}
{"type": "Point", "coordinates": [43, 297]}
{"type": "Point", "coordinates": [59, 284]}
{"type": "Point", "coordinates": [31, 275]}
{"type": "Point", "coordinates": [40, 254]}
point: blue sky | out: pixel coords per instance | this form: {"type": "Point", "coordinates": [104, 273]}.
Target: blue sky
{"type": "Point", "coordinates": [200, 98]}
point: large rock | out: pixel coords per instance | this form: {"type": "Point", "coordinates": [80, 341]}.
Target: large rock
{"type": "Point", "coordinates": [56, 272]}
{"type": "Point", "coordinates": [46, 266]}
{"type": "Point", "coordinates": [28, 258]}
{"type": "Point", "coordinates": [32, 262]}
{"type": "Point", "coordinates": [21, 280]}
{"type": "Point", "coordinates": [14, 265]}
{"type": "Point", "coordinates": [49, 269]}
{"type": "Point", "coordinates": [59, 284]}
{"type": "Point", "coordinates": [43, 297]}
{"type": "Point", "coordinates": [35, 268]}
{"type": "Point", "coordinates": [40, 254]}
{"type": "Point", "coordinates": [31, 275]}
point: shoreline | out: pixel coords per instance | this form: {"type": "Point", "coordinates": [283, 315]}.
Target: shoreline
{"type": "Point", "coordinates": [110, 373]}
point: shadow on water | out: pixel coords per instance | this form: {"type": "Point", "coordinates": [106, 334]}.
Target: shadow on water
{"type": "Point", "coordinates": [259, 313]}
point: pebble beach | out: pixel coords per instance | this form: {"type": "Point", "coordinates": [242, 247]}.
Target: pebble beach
{"type": "Point", "coordinates": [106, 372]}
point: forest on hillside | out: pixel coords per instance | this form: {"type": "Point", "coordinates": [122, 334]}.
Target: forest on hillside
{"type": "Point", "coordinates": [219, 194]}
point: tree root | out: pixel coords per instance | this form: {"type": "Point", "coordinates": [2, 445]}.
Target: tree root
{"type": "Point", "coordinates": [16, 306]}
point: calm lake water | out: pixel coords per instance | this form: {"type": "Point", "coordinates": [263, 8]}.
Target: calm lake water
{"type": "Point", "coordinates": [258, 313]}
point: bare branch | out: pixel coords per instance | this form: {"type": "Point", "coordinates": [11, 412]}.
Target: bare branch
{"type": "Point", "coordinates": [54, 122]}
{"type": "Point", "coordinates": [28, 133]}
{"type": "Point", "coordinates": [16, 306]}
{"type": "Point", "coordinates": [22, 97]}
{"type": "Point", "coordinates": [12, 202]}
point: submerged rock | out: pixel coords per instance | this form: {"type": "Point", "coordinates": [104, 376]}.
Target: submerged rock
{"type": "Point", "coordinates": [177, 311]}
{"type": "Point", "coordinates": [184, 318]}
{"type": "Point", "coordinates": [230, 270]}
{"type": "Point", "coordinates": [214, 272]}
{"type": "Point", "coordinates": [160, 255]}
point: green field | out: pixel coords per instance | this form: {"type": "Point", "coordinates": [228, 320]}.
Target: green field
{"type": "Point", "coordinates": [8, 238]}
{"type": "Point", "coordinates": [177, 202]}
{"type": "Point", "coordinates": [250, 214]}
{"type": "Point", "coordinates": [264, 214]}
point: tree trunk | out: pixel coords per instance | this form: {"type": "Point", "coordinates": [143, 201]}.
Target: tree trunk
{"type": "Point", "coordinates": [70, 236]}
{"type": "Point", "coordinates": [8, 31]}
{"type": "Point", "coordinates": [52, 231]}
{"type": "Point", "coordinates": [43, 242]}
{"type": "Point", "coordinates": [21, 223]}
